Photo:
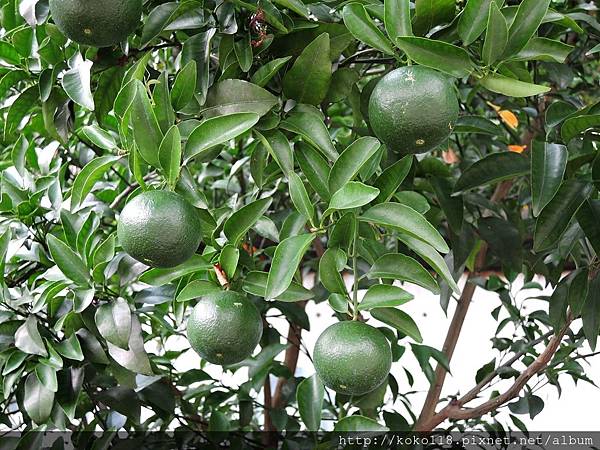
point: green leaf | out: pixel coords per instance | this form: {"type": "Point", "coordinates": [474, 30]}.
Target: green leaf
{"type": "Point", "coordinates": [452, 207]}
{"type": "Point", "coordinates": [114, 322]}
{"type": "Point", "coordinates": [397, 18]}
{"type": "Point", "coordinates": [161, 97]}
{"type": "Point", "coordinates": [338, 303]}
{"type": "Point", "coordinates": [20, 108]}
{"type": "Point", "coordinates": [578, 291]}
{"type": "Point", "coordinates": [184, 86]}
{"type": "Point", "coordinates": [496, 36]}
{"type": "Point", "coordinates": [294, 5]}
{"type": "Point", "coordinates": [478, 125]}
{"type": "Point", "coordinates": [197, 48]}
{"type": "Point", "coordinates": [331, 264]}
{"type": "Point", "coordinates": [69, 263]}
{"type": "Point", "coordinates": [588, 218]}
{"type": "Point", "coordinates": [363, 28]}
{"type": "Point", "coordinates": [430, 13]}
{"type": "Point", "coordinates": [47, 376]}
{"type": "Point", "coordinates": [438, 55]}
{"type": "Point", "coordinates": [574, 126]}
{"type": "Point", "coordinates": [255, 283]}
{"type": "Point", "coordinates": [76, 83]}
{"type": "Point", "coordinates": [359, 424]}
{"type": "Point", "coordinates": [228, 259]}
{"type": "Point", "coordinates": [384, 296]}
{"type": "Point", "coordinates": [556, 216]}
{"type": "Point", "coordinates": [315, 169]}
{"type": "Point", "coordinates": [157, 20]}
{"type": "Point", "coordinates": [243, 52]}
{"type": "Point", "coordinates": [160, 277]}
{"type": "Point", "coordinates": [493, 168]}
{"type": "Point", "coordinates": [286, 260]}
{"type": "Point", "coordinates": [37, 400]}
{"type": "Point", "coordinates": [395, 266]}
{"type": "Point", "coordinates": [28, 339]}
{"type": "Point", "coordinates": [99, 137]}
{"type": "Point", "coordinates": [548, 165]}
{"type": "Point", "coordinates": [405, 219]}
{"type": "Point", "coordinates": [558, 111]}
{"type": "Point", "coordinates": [300, 197]}
{"type": "Point", "coordinates": [238, 224]}
{"type": "Point", "coordinates": [88, 177]}
{"type": "Point", "coordinates": [169, 155]}
{"type": "Point", "coordinates": [414, 200]}
{"type": "Point", "coordinates": [312, 129]}
{"type": "Point", "coordinates": [352, 159]}
{"type": "Point", "coordinates": [279, 148]}
{"type": "Point", "coordinates": [527, 20]}
{"type": "Point", "coordinates": [71, 349]}
{"type": "Point", "coordinates": [391, 178]}
{"type": "Point", "coordinates": [433, 258]}
{"type": "Point", "coordinates": [197, 289]}
{"type": "Point", "coordinates": [266, 72]}
{"type": "Point", "coordinates": [217, 131]}
{"type": "Point", "coordinates": [473, 20]}
{"type": "Point", "coordinates": [399, 320]}
{"type": "Point", "coordinates": [591, 313]}
{"type": "Point", "coordinates": [9, 53]}
{"type": "Point", "coordinates": [511, 87]}
{"type": "Point", "coordinates": [543, 49]}
{"type": "Point", "coordinates": [134, 359]}
{"type": "Point", "coordinates": [310, 394]}
{"type": "Point", "coordinates": [308, 79]}
{"type": "Point", "coordinates": [146, 131]}
{"type": "Point", "coordinates": [353, 195]}
{"type": "Point", "coordinates": [237, 96]}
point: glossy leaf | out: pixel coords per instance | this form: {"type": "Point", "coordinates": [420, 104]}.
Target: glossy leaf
{"type": "Point", "coordinates": [525, 24]}
{"type": "Point", "coordinates": [217, 131]}
{"type": "Point", "coordinates": [493, 169]}
{"type": "Point", "coordinates": [255, 283]}
{"type": "Point", "coordinates": [28, 339]}
{"type": "Point", "coordinates": [88, 177]}
{"type": "Point", "coordinates": [395, 266]}
{"type": "Point", "coordinates": [574, 126]}
{"type": "Point", "coordinates": [473, 20]}
{"type": "Point", "coordinates": [391, 178]}
{"type": "Point", "coordinates": [160, 277]}
{"type": "Point", "coordinates": [588, 218]}
{"type": "Point", "coordinates": [511, 87]}
{"type": "Point", "coordinates": [331, 264]}
{"type": "Point", "coordinates": [37, 400]}
{"type": "Point", "coordinates": [362, 27]}
{"type": "Point", "coordinates": [438, 55]}
{"type": "Point", "coordinates": [405, 219]}
{"type": "Point", "coordinates": [313, 131]}
{"type": "Point", "coordinates": [236, 226]}
{"type": "Point", "coordinates": [384, 296]}
{"type": "Point", "coordinates": [266, 72]}
{"type": "Point", "coordinates": [135, 359]}
{"type": "Point", "coordinates": [556, 216]}
{"type": "Point", "coordinates": [70, 264]}
{"type": "Point", "coordinates": [197, 289]}
{"type": "Point", "coordinates": [397, 18]}
{"type": "Point", "coordinates": [359, 424]}
{"type": "Point", "coordinates": [300, 197]}
{"type": "Point", "coordinates": [76, 83]}
{"type": "Point", "coordinates": [286, 260]}
{"type": "Point", "coordinates": [496, 36]}
{"type": "Point", "coordinates": [169, 154]}
{"type": "Point", "coordinates": [350, 162]}
{"type": "Point", "coordinates": [310, 394]}
{"type": "Point", "coordinates": [114, 322]}
{"type": "Point", "coordinates": [184, 86]}
{"type": "Point", "coordinates": [307, 81]}
{"type": "Point", "coordinates": [399, 320]}
{"type": "Point", "coordinates": [548, 165]}
{"type": "Point", "coordinates": [237, 96]}
{"type": "Point", "coordinates": [591, 313]}
{"type": "Point", "coordinates": [353, 195]}
{"type": "Point", "coordinates": [315, 169]}
{"type": "Point", "coordinates": [146, 130]}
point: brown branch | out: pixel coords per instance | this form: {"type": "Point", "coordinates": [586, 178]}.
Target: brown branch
{"type": "Point", "coordinates": [455, 409]}
{"type": "Point", "coordinates": [435, 391]}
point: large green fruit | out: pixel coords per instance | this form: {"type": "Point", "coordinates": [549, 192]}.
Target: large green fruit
{"type": "Point", "coordinates": [224, 328]}
{"type": "Point", "coordinates": [352, 357]}
{"type": "Point", "coordinates": [99, 23]}
{"type": "Point", "coordinates": [159, 228]}
{"type": "Point", "coordinates": [413, 109]}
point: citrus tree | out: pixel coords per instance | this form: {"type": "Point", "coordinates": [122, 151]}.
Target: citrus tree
{"type": "Point", "coordinates": [190, 169]}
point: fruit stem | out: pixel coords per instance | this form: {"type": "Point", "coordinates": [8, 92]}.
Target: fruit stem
{"type": "Point", "coordinates": [355, 272]}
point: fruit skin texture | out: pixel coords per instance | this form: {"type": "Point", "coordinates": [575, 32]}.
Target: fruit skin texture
{"type": "Point", "coordinates": [413, 109]}
{"type": "Point", "coordinates": [98, 23]}
{"type": "Point", "coordinates": [352, 357]}
{"type": "Point", "coordinates": [224, 328]}
{"type": "Point", "coordinates": [159, 228]}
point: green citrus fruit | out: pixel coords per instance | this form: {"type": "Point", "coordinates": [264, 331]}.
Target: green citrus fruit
{"type": "Point", "coordinates": [413, 109]}
{"type": "Point", "coordinates": [352, 357]}
{"type": "Point", "coordinates": [224, 328]}
{"type": "Point", "coordinates": [98, 23]}
{"type": "Point", "coordinates": [159, 228]}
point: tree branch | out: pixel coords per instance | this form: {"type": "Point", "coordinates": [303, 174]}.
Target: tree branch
{"type": "Point", "coordinates": [455, 409]}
